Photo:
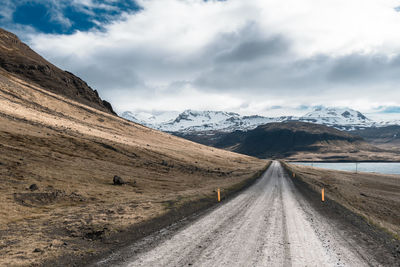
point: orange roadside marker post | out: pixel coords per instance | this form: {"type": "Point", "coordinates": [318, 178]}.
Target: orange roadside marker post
{"type": "Point", "coordinates": [323, 194]}
{"type": "Point", "coordinates": [294, 175]}
{"type": "Point", "coordinates": [219, 195]}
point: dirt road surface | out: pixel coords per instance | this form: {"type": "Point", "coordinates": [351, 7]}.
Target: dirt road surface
{"type": "Point", "coordinates": [269, 224]}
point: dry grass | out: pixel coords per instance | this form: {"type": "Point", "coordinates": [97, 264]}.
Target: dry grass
{"type": "Point", "coordinates": [72, 153]}
{"type": "Point", "coordinates": [376, 197]}
{"type": "Point", "coordinates": [394, 145]}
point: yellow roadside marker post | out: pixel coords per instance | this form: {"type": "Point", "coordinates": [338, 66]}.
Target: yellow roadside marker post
{"type": "Point", "coordinates": [323, 194]}
{"type": "Point", "coordinates": [219, 195]}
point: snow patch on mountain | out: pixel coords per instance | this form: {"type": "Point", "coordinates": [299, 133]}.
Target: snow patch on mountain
{"type": "Point", "coordinates": [342, 118]}
{"type": "Point", "coordinates": [151, 120]}
{"type": "Point", "coordinates": [191, 120]}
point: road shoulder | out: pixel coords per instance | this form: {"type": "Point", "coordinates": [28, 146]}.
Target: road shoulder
{"type": "Point", "coordinates": [384, 247]}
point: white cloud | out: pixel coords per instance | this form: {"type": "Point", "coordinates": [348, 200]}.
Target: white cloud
{"type": "Point", "coordinates": [239, 55]}
{"type": "Point", "coordinates": [335, 27]}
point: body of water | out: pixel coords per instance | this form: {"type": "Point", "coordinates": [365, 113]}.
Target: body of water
{"type": "Point", "coordinates": [378, 167]}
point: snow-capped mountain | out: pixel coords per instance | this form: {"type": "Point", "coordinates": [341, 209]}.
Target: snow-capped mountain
{"type": "Point", "coordinates": [201, 121]}
{"type": "Point", "coordinates": [389, 123]}
{"type": "Point", "coordinates": [342, 118]}
{"type": "Point", "coordinates": [191, 121]}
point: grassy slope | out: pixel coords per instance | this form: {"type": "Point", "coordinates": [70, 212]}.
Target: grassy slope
{"type": "Point", "coordinates": [375, 197]}
{"type": "Point", "coordinates": [72, 152]}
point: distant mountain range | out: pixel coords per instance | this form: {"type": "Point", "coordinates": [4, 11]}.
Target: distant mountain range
{"type": "Point", "coordinates": [191, 121]}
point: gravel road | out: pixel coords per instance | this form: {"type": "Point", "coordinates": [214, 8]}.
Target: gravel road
{"type": "Point", "coordinates": [268, 224]}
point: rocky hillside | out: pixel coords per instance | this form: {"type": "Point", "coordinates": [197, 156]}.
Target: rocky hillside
{"type": "Point", "coordinates": [18, 59]}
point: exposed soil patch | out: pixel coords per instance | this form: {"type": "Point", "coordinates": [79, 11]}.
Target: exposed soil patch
{"type": "Point", "coordinates": [46, 198]}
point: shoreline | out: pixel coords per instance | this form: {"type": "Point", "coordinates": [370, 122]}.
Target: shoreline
{"type": "Point", "coordinates": [327, 167]}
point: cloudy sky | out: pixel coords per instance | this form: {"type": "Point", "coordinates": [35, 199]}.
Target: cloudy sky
{"type": "Point", "coordinates": [267, 57]}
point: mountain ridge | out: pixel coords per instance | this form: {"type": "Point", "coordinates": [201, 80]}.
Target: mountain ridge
{"type": "Point", "coordinates": [18, 59]}
{"type": "Point", "coordinates": [192, 121]}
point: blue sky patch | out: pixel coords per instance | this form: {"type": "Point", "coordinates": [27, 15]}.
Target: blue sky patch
{"type": "Point", "coordinates": [392, 109]}
{"type": "Point", "coordinates": [65, 17]}
{"type": "Point", "coordinates": [37, 16]}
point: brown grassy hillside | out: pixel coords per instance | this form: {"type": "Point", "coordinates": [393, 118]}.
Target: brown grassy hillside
{"type": "Point", "coordinates": [72, 152]}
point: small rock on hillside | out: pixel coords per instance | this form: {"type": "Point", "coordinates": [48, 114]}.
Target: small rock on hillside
{"type": "Point", "coordinates": [118, 180]}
